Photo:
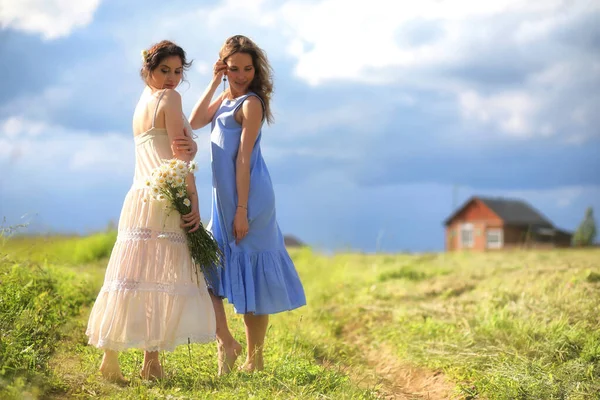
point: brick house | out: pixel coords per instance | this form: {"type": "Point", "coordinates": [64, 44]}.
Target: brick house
{"type": "Point", "coordinates": [483, 224]}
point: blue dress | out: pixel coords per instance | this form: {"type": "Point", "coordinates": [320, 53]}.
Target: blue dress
{"type": "Point", "coordinates": [258, 276]}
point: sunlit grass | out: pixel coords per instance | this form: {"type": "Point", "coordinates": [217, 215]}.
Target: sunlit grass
{"type": "Point", "coordinates": [292, 371]}
{"type": "Point", "coordinates": [506, 325]}
{"type": "Point", "coordinates": [59, 249]}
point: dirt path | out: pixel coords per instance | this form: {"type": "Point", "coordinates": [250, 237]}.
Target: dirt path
{"type": "Point", "coordinates": [403, 381]}
{"type": "Point", "coordinates": [396, 379]}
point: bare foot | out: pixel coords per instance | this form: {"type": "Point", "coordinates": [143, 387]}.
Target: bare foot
{"type": "Point", "coordinates": [112, 373]}
{"type": "Point", "coordinates": [257, 365]}
{"type": "Point", "coordinates": [152, 372]}
{"type": "Point", "coordinates": [227, 355]}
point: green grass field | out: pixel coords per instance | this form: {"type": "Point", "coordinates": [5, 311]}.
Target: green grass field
{"type": "Point", "coordinates": [507, 325]}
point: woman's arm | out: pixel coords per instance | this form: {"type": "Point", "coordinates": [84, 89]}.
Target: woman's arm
{"type": "Point", "coordinates": [252, 113]}
{"type": "Point", "coordinates": [174, 124]}
{"type": "Point", "coordinates": [204, 110]}
{"type": "Point", "coordinates": [185, 144]}
{"type": "Point", "coordinates": [174, 121]}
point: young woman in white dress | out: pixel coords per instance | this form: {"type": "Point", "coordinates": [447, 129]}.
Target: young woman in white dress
{"type": "Point", "coordinates": [151, 299]}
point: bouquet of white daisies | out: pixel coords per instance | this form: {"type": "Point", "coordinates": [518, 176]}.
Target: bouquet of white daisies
{"type": "Point", "coordinates": [167, 185]}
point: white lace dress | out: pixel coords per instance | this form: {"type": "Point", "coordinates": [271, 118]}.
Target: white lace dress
{"type": "Point", "coordinates": [150, 299]}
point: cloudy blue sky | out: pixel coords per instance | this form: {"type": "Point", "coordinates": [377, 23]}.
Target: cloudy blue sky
{"type": "Point", "coordinates": [384, 109]}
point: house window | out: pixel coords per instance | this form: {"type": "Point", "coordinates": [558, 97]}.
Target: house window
{"type": "Point", "coordinates": [466, 235]}
{"type": "Point", "coordinates": [494, 238]}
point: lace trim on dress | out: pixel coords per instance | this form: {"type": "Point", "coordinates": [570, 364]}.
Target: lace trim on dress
{"type": "Point", "coordinates": [179, 289]}
{"type": "Point", "coordinates": [175, 237]}
{"type": "Point", "coordinates": [148, 234]}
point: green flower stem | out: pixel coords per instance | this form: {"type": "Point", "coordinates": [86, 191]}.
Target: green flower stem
{"type": "Point", "coordinates": [204, 249]}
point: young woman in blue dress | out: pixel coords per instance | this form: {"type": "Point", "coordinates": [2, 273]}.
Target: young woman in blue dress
{"type": "Point", "coordinates": [259, 277]}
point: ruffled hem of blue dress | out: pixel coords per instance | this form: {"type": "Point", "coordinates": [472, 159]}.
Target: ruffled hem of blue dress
{"type": "Point", "coordinates": [264, 282]}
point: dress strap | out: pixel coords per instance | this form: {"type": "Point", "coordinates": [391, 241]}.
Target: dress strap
{"type": "Point", "coordinates": [156, 110]}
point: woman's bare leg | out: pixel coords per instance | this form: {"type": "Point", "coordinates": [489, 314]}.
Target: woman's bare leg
{"type": "Point", "coordinates": [256, 330]}
{"type": "Point", "coordinates": [227, 347]}
{"type": "Point", "coordinates": [110, 368]}
{"type": "Point", "coordinates": [151, 369]}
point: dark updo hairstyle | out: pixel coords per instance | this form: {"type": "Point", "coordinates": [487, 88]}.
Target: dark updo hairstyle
{"type": "Point", "coordinates": [152, 58]}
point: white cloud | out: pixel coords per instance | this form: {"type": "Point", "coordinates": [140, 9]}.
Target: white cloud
{"type": "Point", "coordinates": [413, 45]}
{"type": "Point", "coordinates": [50, 18]}
{"type": "Point", "coordinates": [409, 45]}
{"type": "Point", "coordinates": [253, 10]}
{"type": "Point", "coordinates": [110, 152]}
{"type": "Point", "coordinates": [511, 112]}
{"type": "Point", "coordinates": [15, 126]}
{"type": "Point", "coordinates": [366, 36]}
{"type": "Point", "coordinates": [37, 146]}
{"type": "Point", "coordinates": [41, 105]}
{"type": "Point", "coordinates": [557, 15]}
{"type": "Point", "coordinates": [531, 110]}
{"type": "Point", "coordinates": [56, 153]}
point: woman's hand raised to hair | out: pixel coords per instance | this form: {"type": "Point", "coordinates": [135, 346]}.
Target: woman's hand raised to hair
{"type": "Point", "coordinates": [219, 69]}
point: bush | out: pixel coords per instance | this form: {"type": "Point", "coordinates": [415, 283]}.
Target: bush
{"type": "Point", "coordinates": [72, 250]}
{"type": "Point", "coordinates": [586, 232]}
{"type": "Point", "coordinates": [90, 248]}
{"type": "Point", "coordinates": [35, 302]}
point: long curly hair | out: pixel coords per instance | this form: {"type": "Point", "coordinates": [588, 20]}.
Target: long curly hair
{"type": "Point", "coordinates": [262, 84]}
